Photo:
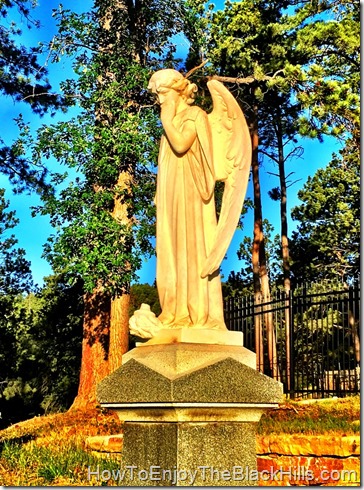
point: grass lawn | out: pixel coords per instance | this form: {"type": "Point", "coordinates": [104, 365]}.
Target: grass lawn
{"type": "Point", "coordinates": [50, 450]}
{"type": "Point", "coordinates": [330, 415]}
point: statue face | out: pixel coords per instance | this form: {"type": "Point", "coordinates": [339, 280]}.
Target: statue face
{"type": "Point", "coordinates": [165, 94]}
{"type": "Point", "coordinates": [160, 84]}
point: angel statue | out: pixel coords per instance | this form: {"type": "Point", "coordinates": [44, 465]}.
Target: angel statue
{"type": "Point", "coordinates": [196, 150]}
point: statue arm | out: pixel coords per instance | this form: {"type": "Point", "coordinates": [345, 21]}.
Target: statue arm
{"type": "Point", "coordinates": [180, 141]}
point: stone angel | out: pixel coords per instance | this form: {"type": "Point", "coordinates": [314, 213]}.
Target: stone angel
{"type": "Point", "coordinates": [196, 150]}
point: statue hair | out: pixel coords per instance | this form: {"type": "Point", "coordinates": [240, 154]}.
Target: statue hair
{"type": "Point", "coordinates": [186, 88]}
{"type": "Point", "coordinates": [177, 82]}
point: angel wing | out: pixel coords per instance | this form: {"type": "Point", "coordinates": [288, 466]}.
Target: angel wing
{"type": "Point", "coordinates": [232, 153]}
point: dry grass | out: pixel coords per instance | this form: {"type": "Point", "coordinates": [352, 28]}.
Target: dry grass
{"type": "Point", "coordinates": [50, 451]}
{"type": "Point", "coordinates": [69, 424]}
{"type": "Point", "coordinates": [326, 416]}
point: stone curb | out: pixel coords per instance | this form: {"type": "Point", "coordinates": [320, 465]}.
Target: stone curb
{"type": "Point", "coordinates": [105, 444]}
{"type": "Point", "coordinates": [294, 445]}
{"type": "Point", "coordinates": [305, 445]}
{"type": "Point", "coordinates": [310, 471]}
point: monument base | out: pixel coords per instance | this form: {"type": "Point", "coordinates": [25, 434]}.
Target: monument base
{"type": "Point", "coordinates": [196, 336]}
{"type": "Point", "coordinates": [189, 454]}
{"type": "Point", "coordinates": [190, 413]}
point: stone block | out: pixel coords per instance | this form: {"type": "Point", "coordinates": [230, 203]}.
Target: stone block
{"type": "Point", "coordinates": [189, 454]}
{"type": "Point", "coordinates": [175, 359]}
{"type": "Point", "coordinates": [283, 470]}
{"type": "Point", "coordinates": [188, 373]}
{"type": "Point", "coordinates": [134, 382]}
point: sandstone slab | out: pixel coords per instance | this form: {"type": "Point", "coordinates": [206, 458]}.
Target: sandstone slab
{"type": "Point", "coordinates": [309, 445]}
{"type": "Point", "coordinates": [105, 444]}
{"type": "Point", "coordinates": [283, 470]}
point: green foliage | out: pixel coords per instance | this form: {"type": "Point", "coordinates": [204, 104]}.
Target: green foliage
{"type": "Point", "coordinates": [23, 79]}
{"type": "Point", "coordinates": [250, 40]}
{"type": "Point", "coordinates": [329, 85]}
{"type": "Point", "coordinates": [305, 69]}
{"type": "Point", "coordinates": [21, 76]}
{"type": "Point", "coordinates": [101, 207]}
{"type": "Point", "coordinates": [43, 334]}
{"type": "Point", "coordinates": [144, 293]}
{"type": "Point", "coordinates": [104, 216]}
{"type": "Point", "coordinates": [58, 329]}
{"type": "Point", "coordinates": [327, 242]}
{"type": "Point", "coordinates": [15, 279]}
{"type": "Point", "coordinates": [15, 276]}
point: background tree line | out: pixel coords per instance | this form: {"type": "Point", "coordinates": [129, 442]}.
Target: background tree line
{"type": "Point", "coordinates": [294, 65]}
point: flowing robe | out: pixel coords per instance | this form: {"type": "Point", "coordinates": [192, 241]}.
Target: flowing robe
{"type": "Point", "coordinates": [186, 227]}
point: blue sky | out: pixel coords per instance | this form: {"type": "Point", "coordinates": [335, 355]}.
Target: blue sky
{"type": "Point", "coordinates": [32, 233]}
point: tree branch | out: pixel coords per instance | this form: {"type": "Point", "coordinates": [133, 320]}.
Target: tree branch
{"type": "Point", "coordinates": [246, 80]}
{"type": "Point", "coordinates": [292, 183]}
{"type": "Point", "coordinates": [34, 95]}
{"type": "Point", "coordinates": [189, 73]}
{"type": "Point", "coordinates": [270, 155]}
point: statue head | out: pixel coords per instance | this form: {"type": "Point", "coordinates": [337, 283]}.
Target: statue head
{"type": "Point", "coordinates": [164, 80]}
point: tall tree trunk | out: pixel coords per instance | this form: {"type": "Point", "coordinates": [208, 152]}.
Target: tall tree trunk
{"type": "Point", "coordinates": [119, 312]}
{"type": "Point", "coordinates": [285, 252]}
{"type": "Point", "coordinates": [106, 329]}
{"type": "Point", "coordinates": [95, 349]}
{"type": "Point", "coordinates": [119, 330]}
{"type": "Point", "coordinates": [258, 237]}
{"type": "Point", "coordinates": [260, 272]}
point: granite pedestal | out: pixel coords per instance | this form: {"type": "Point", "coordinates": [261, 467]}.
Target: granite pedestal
{"type": "Point", "coordinates": [190, 412]}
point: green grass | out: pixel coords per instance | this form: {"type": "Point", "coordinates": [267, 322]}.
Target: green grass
{"type": "Point", "coordinates": [36, 465]}
{"type": "Point", "coordinates": [318, 417]}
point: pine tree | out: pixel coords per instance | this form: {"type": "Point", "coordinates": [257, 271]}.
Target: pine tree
{"type": "Point", "coordinates": [24, 79]}
{"type": "Point", "coordinates": [250, 47]}
{"type": "Point", "coordinates": [294, 75]}
{"type": "Point", "coordinates": [105, 215]}
{"type": "Point", "coordinates": [327, 243]}
{"type": "Point", "coordinates": [15, 280]}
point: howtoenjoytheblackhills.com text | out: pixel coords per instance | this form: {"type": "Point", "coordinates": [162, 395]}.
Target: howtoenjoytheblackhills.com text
{"type": "Point", "coordinates": [210, 474]}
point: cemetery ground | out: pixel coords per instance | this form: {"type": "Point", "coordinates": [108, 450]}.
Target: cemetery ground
{"type": "Point", "coordinates": [50, 450]}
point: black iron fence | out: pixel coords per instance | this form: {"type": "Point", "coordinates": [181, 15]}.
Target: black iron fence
{"type": "Point", "coordinates": [309, 338]}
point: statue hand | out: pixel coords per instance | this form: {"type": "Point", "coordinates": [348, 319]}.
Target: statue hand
{"type": "Point", "coordinates": [168, 111]}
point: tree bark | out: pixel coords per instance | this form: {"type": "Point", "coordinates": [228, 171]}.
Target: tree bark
{"type": "Point", "coordinates": [258, 235]}
{"type": "Point", "coordinates": [119, 330]}
{"type": "Point", "coordinates": [285, 251]}
{"type": "Point", "coordinates": [119, 312]}
{"type": "Point", "coordinates": [95, 349]}
{"type": "Point", "coordinates": [260, 272]}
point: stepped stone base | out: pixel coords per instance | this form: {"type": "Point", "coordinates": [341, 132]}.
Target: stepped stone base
{"type": "Point", "coordinates": [190, 413]}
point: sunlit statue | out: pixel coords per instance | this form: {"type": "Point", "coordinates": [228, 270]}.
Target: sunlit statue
{"type": "Point", "coordinates": [196, 150]}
